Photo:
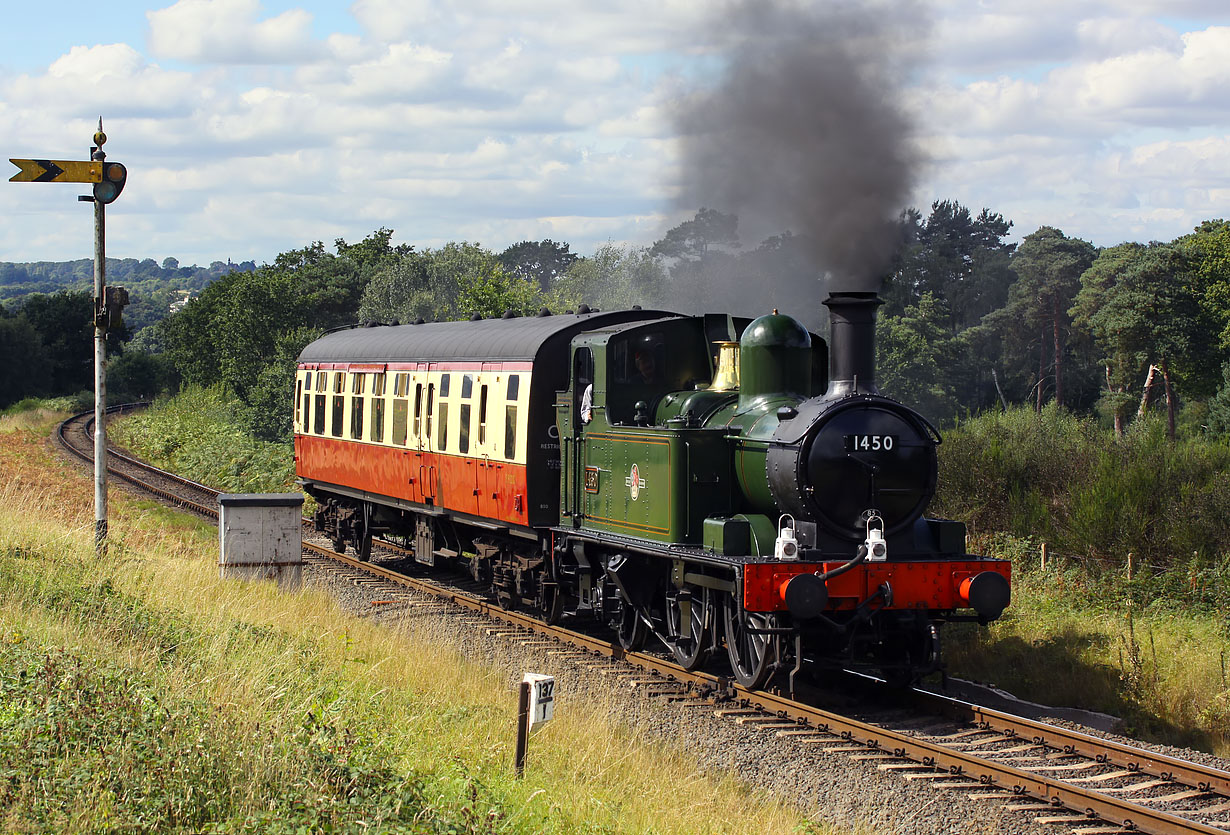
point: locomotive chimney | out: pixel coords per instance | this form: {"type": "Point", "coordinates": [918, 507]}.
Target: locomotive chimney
{"type": "Point", "coordinates": [852, 342]}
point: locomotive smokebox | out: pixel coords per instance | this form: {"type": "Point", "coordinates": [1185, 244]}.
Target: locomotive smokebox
{"type": "Point", "coordinates": [852, 342]}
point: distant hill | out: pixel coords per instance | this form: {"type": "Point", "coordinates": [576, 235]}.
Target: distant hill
{"type": "Point", "coordinates": [153, 288]}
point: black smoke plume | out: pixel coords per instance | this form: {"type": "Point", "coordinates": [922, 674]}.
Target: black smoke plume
{"type": "Point", "coordinates": [806, 131]}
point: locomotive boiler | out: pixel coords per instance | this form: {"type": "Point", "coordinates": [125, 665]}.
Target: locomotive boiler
{"type": "Point", "coordinates": [710, 483]}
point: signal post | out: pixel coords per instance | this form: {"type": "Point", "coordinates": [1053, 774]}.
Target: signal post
{"type": "Point", "coordinates": [108, 179]}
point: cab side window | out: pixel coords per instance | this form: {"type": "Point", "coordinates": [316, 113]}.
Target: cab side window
{"type": "Point", "coordinates": [582, 384]}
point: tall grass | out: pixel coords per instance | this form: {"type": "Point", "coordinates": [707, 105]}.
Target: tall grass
{"type": "Point", "coordinates": [138, 692]}
{"type": "Point", "coordinates": [1068, 640]}
{"type": "Point", "coordinates": [199, 433]}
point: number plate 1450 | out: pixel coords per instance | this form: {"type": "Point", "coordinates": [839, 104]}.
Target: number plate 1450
{"type": "Point", "coordinates": [870, 443]}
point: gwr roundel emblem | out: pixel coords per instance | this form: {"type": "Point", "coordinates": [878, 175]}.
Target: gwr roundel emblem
{"type": "Point", "coordinates": [634, 483]}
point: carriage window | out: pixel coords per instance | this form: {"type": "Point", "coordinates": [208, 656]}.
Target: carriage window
{"type": "Point", "coordinates": [378, 385]}
{"type": "Point", "coordinates": [431, 396]}
{"type": "Point", "coordinates": [401, 385]}
{"type": "Point", "coordinates": [357, 382]}
{"type": "Point", "coordinates": [418, 408]}
{"type": "Point", "coordinates": [356, 418]}
{"type": "Point", "coordinates": [322, 381]}
{"type": "Point", "coordinates": [399, 422]}
{"type": "Point", "coordinates": [339, 410]}
{"type": "Point", "coordinates": [464, 437]}
{"type": "Point", "coordinates": [377, 418]}
{"type": "Point", "coordinates": [318, 419]}
{"type": "Point", "coordinates": [339, 382]}
{"type": "Point", "coordinates": [482, 414]}
{"type": "Point", "coordinates": [298, 399]}
{"type": "Point", "coordinates": [307, 411]}
{"type": "Point", "coordinates": [514, 387]}
{"type": "Point", "coordinates": [510, 432]}
{"type": "Point", "coordinates": [467, 385]}
{"type": "Point", "coordinates": [444, 381]}
{"type": "Point", "coordinates": [443, 425]}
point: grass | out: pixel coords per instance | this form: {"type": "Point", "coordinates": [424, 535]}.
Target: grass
{"type": "Point", "coordinates": [140, 693]}
{"type": "Point", "coordinates": [1078, 639]}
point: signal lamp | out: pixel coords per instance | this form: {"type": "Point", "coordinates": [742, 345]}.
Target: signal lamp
{"type": "Point", "coordinates": [113, 179]}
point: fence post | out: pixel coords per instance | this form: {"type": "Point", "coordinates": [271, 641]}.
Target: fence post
{"type": "Point", "coordinates": [1131, 566]}
{"type": "Point", "coordinates": [523, 727]}
{"type": "Point", "coordinates": [1043, 556]}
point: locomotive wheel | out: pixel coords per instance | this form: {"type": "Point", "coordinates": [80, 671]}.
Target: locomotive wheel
{"type": "Point", "coordinates": [633, 631]}
{"type": "Point", "coordinates": [691, 643]}
{"type": "Point", "coordinates": [752, 655]}
{"type": "Point", "coordinates": [552, 604]}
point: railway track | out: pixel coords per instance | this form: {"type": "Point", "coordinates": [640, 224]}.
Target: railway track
{"type": "Point", "coordinates": [1075, 781]}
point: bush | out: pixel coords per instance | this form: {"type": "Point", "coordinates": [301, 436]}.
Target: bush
{"type": "Point", "coordinates": [80, 402]}
{"type": "Point", "coordinates": [1061, 479]}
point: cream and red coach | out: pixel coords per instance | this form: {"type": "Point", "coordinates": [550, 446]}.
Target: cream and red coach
{"type": "Point", "coordinates": [396, 426]}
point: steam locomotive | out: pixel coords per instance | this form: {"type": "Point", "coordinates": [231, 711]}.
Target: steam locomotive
{"type": "Point", "coordinates": [710, 482]}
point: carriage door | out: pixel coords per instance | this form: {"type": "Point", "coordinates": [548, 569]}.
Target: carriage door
{"type": "Point", "coordinates": [490, 468]}
{"type": "Point", "coordinates": [407, 417]}
{"type": "Point", "coordinates": [427, 466]}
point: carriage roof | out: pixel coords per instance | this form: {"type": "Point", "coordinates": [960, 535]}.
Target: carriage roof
{"type": "Point", "coordinates": [519, 338]}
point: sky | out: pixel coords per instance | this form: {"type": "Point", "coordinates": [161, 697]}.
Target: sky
{"type": "Point", "coordinates": [249, 128]}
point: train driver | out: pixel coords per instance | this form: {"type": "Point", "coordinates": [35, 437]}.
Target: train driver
{"type": "Point", "coordinates": [646, 366]}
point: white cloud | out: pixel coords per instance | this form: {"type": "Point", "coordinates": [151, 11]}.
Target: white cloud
{"type": "Point", "coordinates": [112, 79]}
{"type": "Point", "coordinates": [496, 120]}
{"type": "Point", "coordinates": [228, 32]}
{"type": "Point", "coordinates": [391, 20]}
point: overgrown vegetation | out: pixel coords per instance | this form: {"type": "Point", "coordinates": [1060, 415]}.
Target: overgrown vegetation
{"type": "Point", "coordinates": [139, 693]}
{"type": "Point", "coordinates": [202, 434]}
{"type": "Point", "coordinates": [1129, 614]}
{"type": "Point", "coordinates": [1096, 640]}
{"type": "Point", "coordinates": [1062, 479]}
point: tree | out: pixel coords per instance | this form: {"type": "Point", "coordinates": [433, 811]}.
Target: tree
{"type": "Point", "coordinates": [1120, 357]}
{"type": "Point", "coordinates": [1141, 305]}
{"type": "Point", "coordinates": [269, 394]}
{"type": "Point", "coordinates": [65, 324]}
{"type": "Point", "coordinates": [228, 333]}
{"type": "Point", "coordinates": [426, 284]}
{"type": "Point", "coordinates": [956, 257]}
{"type": "Point", "coordinates": [690, 240]}
{"type": "Point", "coordinates": [328, 287]}
{"type": "Point", "coordinates": [1209, 250]}
{"type": "Point", "coordinates": [1048, 266]}
{"type": "Point", "coordinates": [914, 355]}
{"type": "Point", "coordinates": [495, 293]}
{"type": "Point", "coordinates": [137, 375]}
{"type": "Point", "coordinates": [24, 367]}
{"type": "Point", "coordinates": [374, 251]}
{"type": "Point", "coordinates": [541, 261]}
{"type": "Point", "coordinates": [613, 277]}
